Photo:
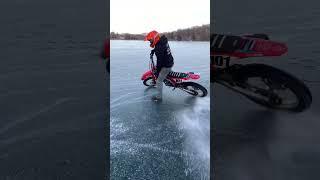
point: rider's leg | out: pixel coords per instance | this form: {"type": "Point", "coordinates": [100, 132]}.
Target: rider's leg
{"type": "Point", "coordinates": [162, 76]}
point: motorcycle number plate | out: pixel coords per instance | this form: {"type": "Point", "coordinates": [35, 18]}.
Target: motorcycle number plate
{"type": "Point", "coordinates": [220, 61]}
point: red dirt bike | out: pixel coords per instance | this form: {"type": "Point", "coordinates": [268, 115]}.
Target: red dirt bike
{"type": "Point", "coordinates": [178, 80]}
{"type": "Point", "coordinates": [263, 84]}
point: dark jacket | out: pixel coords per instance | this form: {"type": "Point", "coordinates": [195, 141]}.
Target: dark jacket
{"type": "Point", "coordinates": [163, 53]}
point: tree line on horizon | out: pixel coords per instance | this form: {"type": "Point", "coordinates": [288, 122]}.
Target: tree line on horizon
{"type": "Point", "coordinates": [196, 33]}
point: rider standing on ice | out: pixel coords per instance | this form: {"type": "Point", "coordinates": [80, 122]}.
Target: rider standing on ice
{"type": "Point", "coordinates": [164, 59]}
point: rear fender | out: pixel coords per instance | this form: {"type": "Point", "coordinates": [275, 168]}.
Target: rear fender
{"type": "Point", "coordinates": [194, 76]}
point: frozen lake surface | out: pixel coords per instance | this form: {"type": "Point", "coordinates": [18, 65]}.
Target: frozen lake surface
{"type": "Point", "coordinates": [167, 140]}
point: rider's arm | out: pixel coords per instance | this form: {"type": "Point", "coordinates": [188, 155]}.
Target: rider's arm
{"type": "Point", "coordinates": [158, 68]}
{"type": "Point", "coordinates": [160, 58]}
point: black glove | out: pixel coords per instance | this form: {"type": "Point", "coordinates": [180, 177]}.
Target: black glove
{"type": "Point", "coordinates": [151, 53]}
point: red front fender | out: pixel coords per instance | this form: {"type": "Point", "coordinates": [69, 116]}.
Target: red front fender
{"type": "Point", "coordinates": [146, 75]}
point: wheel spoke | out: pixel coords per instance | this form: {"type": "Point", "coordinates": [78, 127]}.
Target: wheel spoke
{"type": "Point", "coordinates": [274, 93]}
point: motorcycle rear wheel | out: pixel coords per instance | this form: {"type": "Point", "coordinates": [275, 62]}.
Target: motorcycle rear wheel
{"type": "Point", "coordinates": [275, 85]}
{"type": "Point", "coordinates": [193, 88]}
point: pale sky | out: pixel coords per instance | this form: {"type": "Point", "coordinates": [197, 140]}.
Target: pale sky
{"type": "Point", "coordinates": [140, 16]}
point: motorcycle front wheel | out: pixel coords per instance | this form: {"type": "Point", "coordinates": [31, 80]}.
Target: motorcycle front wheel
{"type": "Point", "coordinates": [149, 81]}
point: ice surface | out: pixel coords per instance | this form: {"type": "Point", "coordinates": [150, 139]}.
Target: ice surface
{"type": "Point", "coordinates": [167, 140]}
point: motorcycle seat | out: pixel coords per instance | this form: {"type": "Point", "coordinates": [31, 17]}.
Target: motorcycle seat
{"type": "Point", "coordinates": [177, 74]}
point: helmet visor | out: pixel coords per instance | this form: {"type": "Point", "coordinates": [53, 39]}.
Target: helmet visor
{"type": "Point", "coordinates": [151, 41]}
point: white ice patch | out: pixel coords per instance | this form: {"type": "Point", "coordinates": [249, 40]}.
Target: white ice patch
{"type": "Point", "coordinates": [116, 127]}
{"type": "Point", "coordinates": [194, 123]}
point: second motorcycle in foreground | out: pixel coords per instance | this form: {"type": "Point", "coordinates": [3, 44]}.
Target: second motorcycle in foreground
{"type": "Point", "coordinates": [263, 84]}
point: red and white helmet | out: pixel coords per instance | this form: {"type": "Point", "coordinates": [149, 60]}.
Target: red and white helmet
{"type": "Point", "coordinates": [153, 37]}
